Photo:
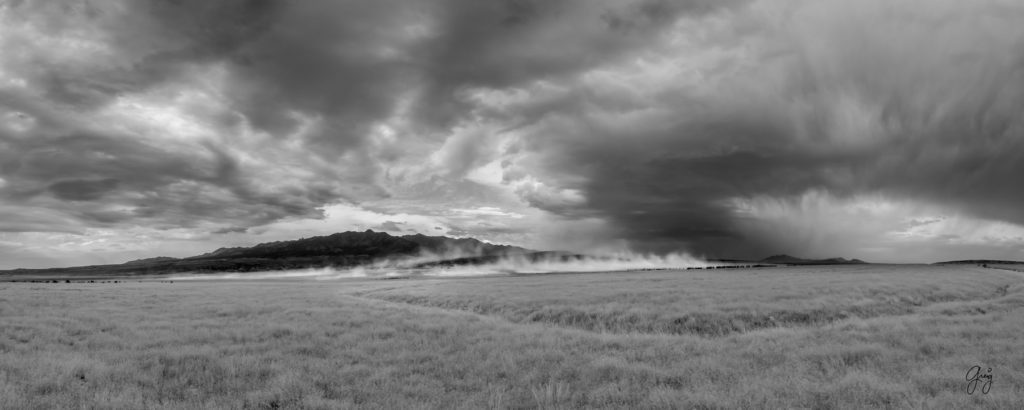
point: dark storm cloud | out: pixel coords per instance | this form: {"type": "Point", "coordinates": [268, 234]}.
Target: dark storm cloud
{"type": "Point", "coordinates": [231, 230]}
{"type": "Point", "coordinates": [82, 189]}
{"type": "Point", "coordinates": [345, 66]}
{"type": "Point", "coordinates": [314, 57]}
{"type": "Point", "coordinates": [500, 44]}
{"type": "Point", "coordinates": [666, 191]}
{"type": "Point", "coordinates": [155, 183]}
{"type": "Point", "coordinates": [850, 101]}
{"type": "Point", "coordinates": [392, 226]}
{"type": "Point", "coordinates": [155, 41]}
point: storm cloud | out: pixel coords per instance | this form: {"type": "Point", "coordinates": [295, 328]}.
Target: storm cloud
{"type": "Point", "coordinates": [906, 100]}
{"type": "Point", "coordinates": [722, 128]}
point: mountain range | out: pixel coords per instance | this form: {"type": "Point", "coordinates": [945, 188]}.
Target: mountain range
{"type": "Point", "coordinates": [792, 260]}
{"type": "Point", "coordinates": [340, 250]}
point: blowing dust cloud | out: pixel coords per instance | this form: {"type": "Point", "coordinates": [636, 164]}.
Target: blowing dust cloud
{"type": "Point", "coordinates": [430, 265]}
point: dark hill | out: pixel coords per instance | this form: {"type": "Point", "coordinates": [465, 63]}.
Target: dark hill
{"type": "Point", "coordinates": [345, 244]}
{"type": "Point", "coordinates": [979, 262]}
{"type": "Point", "coordinates": [345, 249]}
{"type": "Point", "coordinates": [792, 260]}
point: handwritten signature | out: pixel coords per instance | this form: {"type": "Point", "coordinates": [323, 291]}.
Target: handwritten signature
{"type": "Point", "coordinates": [974, 376]}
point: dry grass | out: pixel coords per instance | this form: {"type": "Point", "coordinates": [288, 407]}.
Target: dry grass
{"type": "Point", "coordinates": [471, 343]}
{"type": "Point", "coordinates": [703, 302]}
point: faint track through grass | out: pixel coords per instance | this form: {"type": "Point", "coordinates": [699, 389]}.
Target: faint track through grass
{"type": "Point", "coordinates": [330, 345]}
{"type": "Point", "coordinates": [695, 319]}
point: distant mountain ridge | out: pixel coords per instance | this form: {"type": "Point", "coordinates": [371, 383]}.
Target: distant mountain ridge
{"type": "Point", "coordinates": [368, 243]}
{"type": "Point", "coordinates": [344, 249]}
{"type": "Point", "coordinates": [979, 262]}
{"type": "Point", "coordinates": [792, 260]}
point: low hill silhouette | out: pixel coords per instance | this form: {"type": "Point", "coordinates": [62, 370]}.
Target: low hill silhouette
{"type": "Point", "coordinates": [792, 260]}
{"type": "Point", "coordinates": [980, 262]}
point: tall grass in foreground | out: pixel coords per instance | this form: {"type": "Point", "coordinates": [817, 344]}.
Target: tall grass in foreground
{"type": "Point", "coordinates": [264, 345]}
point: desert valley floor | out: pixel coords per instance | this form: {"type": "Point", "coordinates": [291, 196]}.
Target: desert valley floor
{"type": "Point", "coordinates": [859, 336]}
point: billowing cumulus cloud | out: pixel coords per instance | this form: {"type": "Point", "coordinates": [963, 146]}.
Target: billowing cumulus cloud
{"type": "Point", "coordinates": [726, 128]}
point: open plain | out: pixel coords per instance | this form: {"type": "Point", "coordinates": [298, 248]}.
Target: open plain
{"type": "Point", "coordinates": [859, 336]}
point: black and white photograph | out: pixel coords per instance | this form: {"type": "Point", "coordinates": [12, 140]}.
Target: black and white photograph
{"type": "Point", "coordinates": [511, 204]}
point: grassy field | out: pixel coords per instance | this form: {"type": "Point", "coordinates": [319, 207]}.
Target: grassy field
{"type": "Point", "coordinates": [814, 337]}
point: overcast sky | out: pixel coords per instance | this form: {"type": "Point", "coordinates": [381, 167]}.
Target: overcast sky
{"type": "Point", "coordinates": [887, 130]}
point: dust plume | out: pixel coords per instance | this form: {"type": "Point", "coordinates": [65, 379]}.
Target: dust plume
{"type": "Point", "coordinates": [459, 264]}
